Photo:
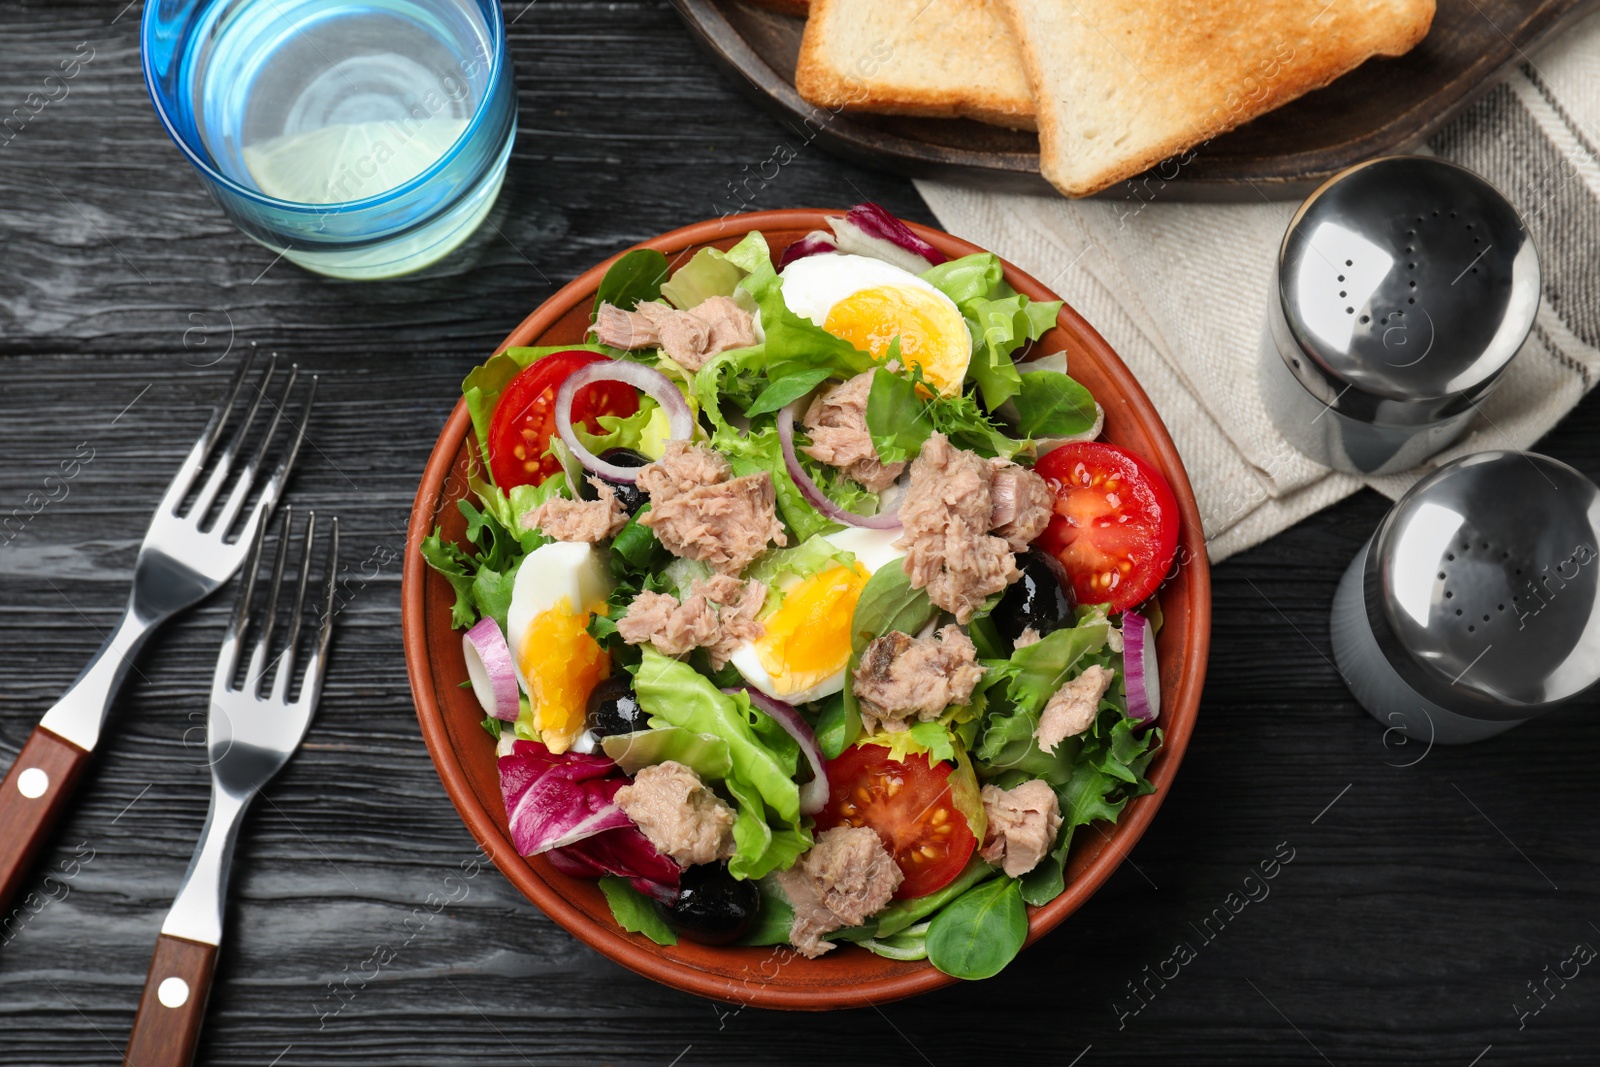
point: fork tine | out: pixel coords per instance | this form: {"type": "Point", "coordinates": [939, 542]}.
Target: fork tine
{"type": "Point", "coordinates": [241, 489]}
{"type": "Point", "coordinates": [183, 480]}
{"type": "Point", "coordinates": [311, 688]}
{"type": "Point", "coordinates": [286, 664]}
{"type": "Point", "coordinates": [219, 416]}
{"type": "Point", "coordinates": [228, 660]}
{"type": "Point", "coordinates": [224, 468]}
{"type": "Point", "coordinates": [258, 657]}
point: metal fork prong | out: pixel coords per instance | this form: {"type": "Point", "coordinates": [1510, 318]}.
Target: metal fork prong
{"type": "Point", "coordinates": [277, 417]}
{"type": "Point", "coordinates": [311, 688]}
{"type": "Point", "coordinates": [258, 656]}
{"type": "Point", "coordinates": [231, 507]}
{"type": "Point", "coordinates": [228, 661]}
{"type": "Point", "coordinates": [280, 474]}
{"type": "Point", "coordinates": [219, 417]}
{"type": "Point", "coordinates": [183, 480]}
{"type": "Point", "coordinates": [224, 468]}
{"type": "Point", "coordinates": [286, 664]}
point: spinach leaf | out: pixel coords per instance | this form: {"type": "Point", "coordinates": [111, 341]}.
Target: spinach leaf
{"type": "Point", "coordinates": [774, 920]}
{"type": "Point", "coordinates": [833, 725]}
{"type": "Point", "coordinates": [897, 418]}
{"type": "Point", "coordinates": [980, 932]}
{"type": "Point", "coordinates": [784, 390]}
{"type": "Point", "coordinates": [635, 912]}
{"type": "Point", "coordinates": [636, 276]}
{"type": "Point", "coordinates": [1050, 404]}
{"type": "Point", "coordinates": [902, 913]}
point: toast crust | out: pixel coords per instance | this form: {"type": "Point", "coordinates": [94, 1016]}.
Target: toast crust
{"type": "Point", "coordinates": [867, 81]}
{"type": "Point", "coordinates": [1196, 72]}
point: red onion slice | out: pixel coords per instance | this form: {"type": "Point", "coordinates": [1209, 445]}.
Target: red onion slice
{"type": "Point", "coordinates": [1141, 677]}
{"type": "Point", "coordinates": [809, 488]}
{"type": "Point", "coordinates": [647, 380]}
{"type": "Point", "coordinates": [814, 243]}
{"type": "Point", "coordinates": [491, 669]}
{"type": "Point", "coordinates": [814, 794]}
{"type": "Point", "coordinates": [869, 230]}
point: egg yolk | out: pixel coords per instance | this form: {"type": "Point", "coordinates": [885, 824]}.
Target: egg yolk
{"type": "Point", "coordinates": [808, 637]}
{"type": "Point", "coordinates": [562, 664]}
{"type": "Point", "coordinates": [932, 335]}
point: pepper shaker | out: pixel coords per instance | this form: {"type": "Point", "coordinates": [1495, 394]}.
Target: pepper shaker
{"type": "Point", "coordinates": [1404, 287]}
{"type": "Point", "coordinates": [1475, 605]}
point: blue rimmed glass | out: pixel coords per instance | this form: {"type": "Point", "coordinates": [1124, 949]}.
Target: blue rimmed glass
{"type": "Point", "coordinates": [359, 138]}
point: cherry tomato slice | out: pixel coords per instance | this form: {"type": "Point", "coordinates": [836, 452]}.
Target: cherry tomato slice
{"type": "Point", "coordinates": [1115, 527]}
{"type": "Point", "coordinates": [525, 418]}
{"type": "Point", "coordinates": [909, 804]}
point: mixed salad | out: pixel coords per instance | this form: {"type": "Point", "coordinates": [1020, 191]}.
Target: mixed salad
{"type": "Point", "coordinates": [801, 610]}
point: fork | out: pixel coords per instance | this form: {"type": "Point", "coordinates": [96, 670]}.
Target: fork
{"type": "Point", "coordinates": [182, 561]}
{"type": "Point", "coordinates": [251, 732]}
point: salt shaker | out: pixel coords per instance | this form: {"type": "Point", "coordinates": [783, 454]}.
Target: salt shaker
{"type": "Point", "coordinates": [1475, 605]}
{"type": "Point", "coordinates": [1404, 287]}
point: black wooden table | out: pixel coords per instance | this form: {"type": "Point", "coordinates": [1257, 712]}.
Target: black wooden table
{"type": "Point", "coordinates": [1428, 896]}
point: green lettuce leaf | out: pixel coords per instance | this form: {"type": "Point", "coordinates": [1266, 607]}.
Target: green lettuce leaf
{"type": "Point", "coordinates": [677, 694]}
{"type": "Point", "coordinates": [812, 556]}
{"type": "Point", "coordinates": [759, 848]}
{"type": "Point", "coordinates": [708, 273]}
{"type": "Point", "coordinates": [1107, 772]}
{"type": "Point", "coordinates": [1000, 320]}
{"type": "Point", "coordinates": [705, 754]}
{"type": "Point", "coordinates": [795, 343]}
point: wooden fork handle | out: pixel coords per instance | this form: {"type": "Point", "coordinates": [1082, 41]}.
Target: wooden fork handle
{"type": "Point", "coordinates": [167, 1028]}
{"type": "Point", "coordinates": [35, 791]}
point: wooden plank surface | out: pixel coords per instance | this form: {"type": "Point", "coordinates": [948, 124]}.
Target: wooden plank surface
{"type": "Point", "coordinates": [1420, 901]}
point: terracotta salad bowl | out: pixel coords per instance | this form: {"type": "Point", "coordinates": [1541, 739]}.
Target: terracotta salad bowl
{"type": "Point", "coordinates": [464, 753]}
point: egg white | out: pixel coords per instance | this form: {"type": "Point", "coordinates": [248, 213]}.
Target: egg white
{"type": "Point", "coordinates": [811, 286]}
{"type": "Point", "coordinates": [550, 573]}
{"type": "Point", "coordinates": [872, 549]}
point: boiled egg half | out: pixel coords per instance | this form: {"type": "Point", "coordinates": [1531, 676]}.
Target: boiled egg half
{"type": "Point", "coordinates": [805, 650]}
{"type": "Point", "coordinates": [558, 587]}
{"type": "Point", "coordinates": [869, 303]}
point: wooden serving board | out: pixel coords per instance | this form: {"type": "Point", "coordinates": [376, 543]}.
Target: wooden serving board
{"type": "Point", "coordinates": [1387, 105]}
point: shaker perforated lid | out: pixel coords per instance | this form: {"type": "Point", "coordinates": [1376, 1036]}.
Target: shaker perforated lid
{"type": "Point", "coordinates": [1407, 284]}
{"type": "Point", "coordinates": [1483, 585]}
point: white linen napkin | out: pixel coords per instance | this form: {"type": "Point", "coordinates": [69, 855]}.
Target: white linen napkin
{"type": "Point", "coordinates": [1180, 292]}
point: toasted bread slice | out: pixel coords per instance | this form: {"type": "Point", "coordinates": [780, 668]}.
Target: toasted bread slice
{"type": "Point", "coordinates": [937, 58]}
{"type": "Point", "coordinates": [1121, 85]}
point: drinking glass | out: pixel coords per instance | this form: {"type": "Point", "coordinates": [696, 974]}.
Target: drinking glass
{"type": "Point", "coordinates": [358, 138]}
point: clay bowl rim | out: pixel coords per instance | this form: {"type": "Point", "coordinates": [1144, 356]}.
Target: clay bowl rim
{"type": "Point", "coordinates": [635, 952]}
